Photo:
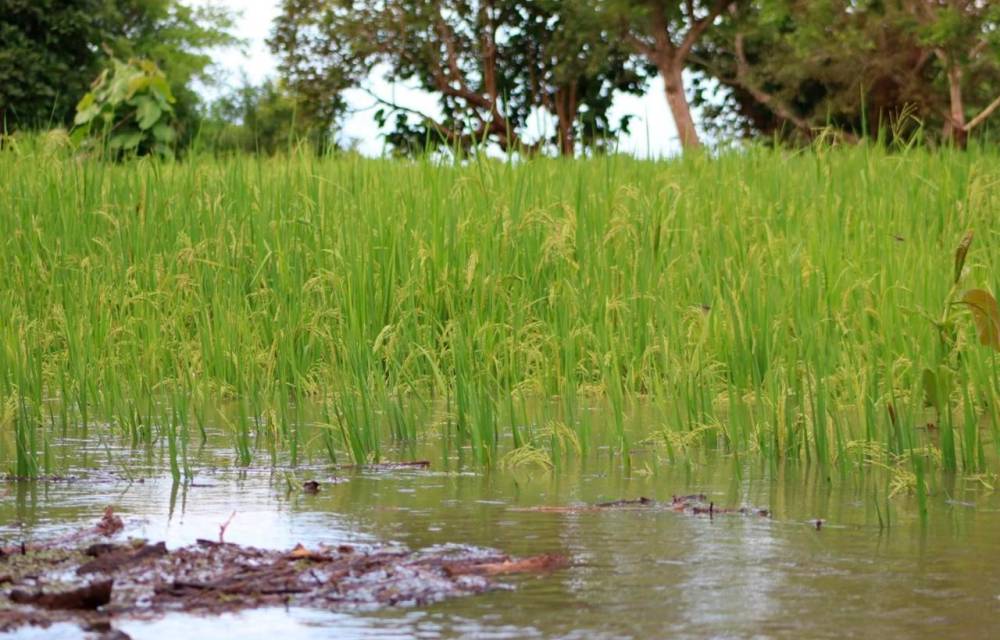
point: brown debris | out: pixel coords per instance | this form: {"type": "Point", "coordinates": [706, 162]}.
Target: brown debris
{"type": "Point", "coordinates": [639, 502]}
{"type": "Point", "coordinates": [622, 505]}
{"type": "Point", "coordinates": [137, 579]}
{"type": "Point", "coordinates": [224, 526]}
{"type": "Point", "coordinates": [90, 596]}
{"type": "Point", "coordinates": [108, 558]}
{"type": "Point", "coordinates": [102, 627]}
{"type": "Point", "coordinates": [535, 564]}
{"type": "Point", "coordinates": [109, 524]}
{"type": "Point", "coordinates": [694, 497]}
{"type": "Point", "coordinates": [11, 478]}
{"type": "Point", "coordinates": [310, 486]}
{"type": "Point", "coordinates": [694, 505]}
{"type": "Point", "coordinates": [388, 466]}
{"type": "Point", "coordinates": [301, 553]}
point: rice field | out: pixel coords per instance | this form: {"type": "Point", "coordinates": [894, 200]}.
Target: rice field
{"type": "Point", "coordinates": [783, 306]}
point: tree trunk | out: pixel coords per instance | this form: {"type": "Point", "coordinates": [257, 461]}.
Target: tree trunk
{"type": "Point", "coordinates": [567, 147]}
{"type": "Point", "coordinates": [673, 82]}
{"type": "Point", "coordinates": [957, 112]}
{"type": "Point", "coordinates": [566, 117]}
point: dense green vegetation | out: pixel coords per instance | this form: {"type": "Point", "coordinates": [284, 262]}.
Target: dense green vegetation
{"type": "Point", "coordinates": [130, 107]}
{"type": "Point", "coordinates": [51, 51]}
{"type": "Point", "coordinates": [767, 303]}
{"type": "Point", "coordinates": [532, 76]}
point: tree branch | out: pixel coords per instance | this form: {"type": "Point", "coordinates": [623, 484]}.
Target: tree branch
{"type": "Point", "coordinates": [638, 45]}
{"type": "Point", "coordinates": [451, 55]}
{"type": "Point", "coordinates": [985, 113]}
{"type": "Point", "coordinates": [698, 27]}
{"type": "Point", "coordinates": [979, 48]}
{"type": "Point", "coordinates": [770, 101]}
{"type": "Point", "coordinates": [443, 129]}
{"type": "Point", "coordinates": [761, 96]}
{"type": "Point", "coordinates": [489, 53]}
{"type": "Point", "coordinates": [664, 47]}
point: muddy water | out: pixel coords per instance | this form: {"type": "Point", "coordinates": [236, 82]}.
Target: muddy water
{"type": "Point", "coordinates": [638, 573]}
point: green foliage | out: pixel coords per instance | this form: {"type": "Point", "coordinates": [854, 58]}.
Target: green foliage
{"type": "Point", "coordinates": [266, 119]}
{"type": "Point", "coordinates": [50, 50]}
{"type": "Point", "coordinates": [42, 75]}
{"type": "Point", "coordinates": [180, 39]}
{"type": "Point", "coordinates": [130, 109]}
{"type": "Point", "coordinates": [950, 372]}
{"type": "Point", "coordinates": [792, 68]}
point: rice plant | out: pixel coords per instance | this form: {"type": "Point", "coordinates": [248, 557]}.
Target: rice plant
{"type": "Point", "coordinates": [760, 302]}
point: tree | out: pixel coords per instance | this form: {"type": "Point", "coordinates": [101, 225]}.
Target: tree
{"type": "Point", "coordinates": [664, 32]}
{"type": "Point", "coordinates": [48, 56]}
{"type": "Point", "coordinates": [792, 68]}
{"type": "Point", "coordinates": [964, 36]}
{"type": "Point", "coordinates": [180, 40]}
{"type": "Point", "coordinates": [491, 62]}
{"type": "Point", "coordinates": [447, 46]}
{"type": "Point", "coordinates": [265, 118]}
{"type": "Point", "coordinates": [573, 66]}
{"type": "Point", "coordinates": [311, 39]}
{"type": "Point", "coordinates": [50, 50]}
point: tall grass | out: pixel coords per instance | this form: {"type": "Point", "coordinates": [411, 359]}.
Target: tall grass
{"type": "Point", "coordinates": [764, 302]}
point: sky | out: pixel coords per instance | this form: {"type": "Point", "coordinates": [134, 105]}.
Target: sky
{"type": "Point", "coordinates": [652, 128]}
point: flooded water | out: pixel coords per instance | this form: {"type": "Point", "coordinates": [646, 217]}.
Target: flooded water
{"type": "Point", "coordinates": [634, 573]}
